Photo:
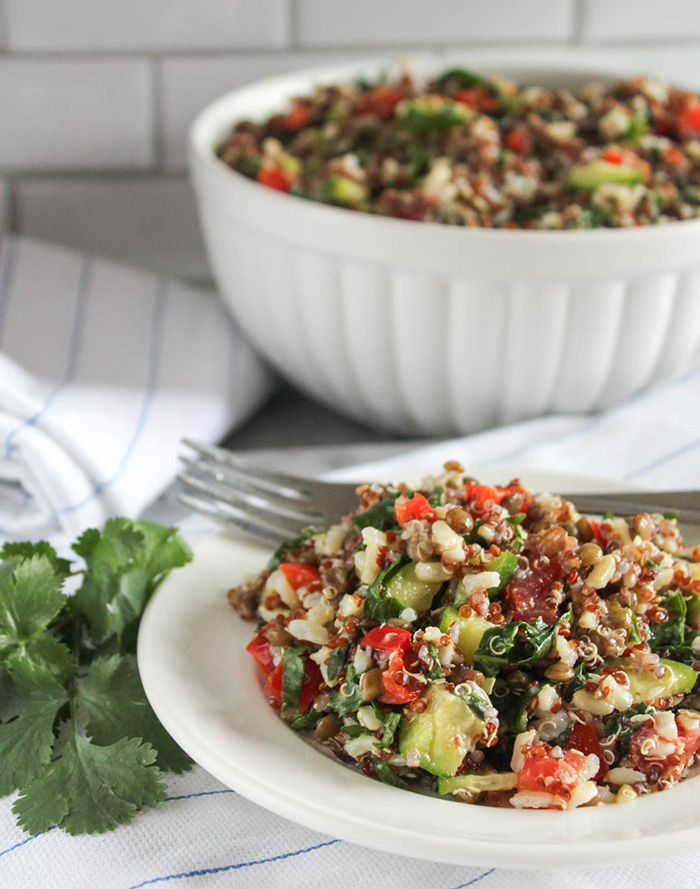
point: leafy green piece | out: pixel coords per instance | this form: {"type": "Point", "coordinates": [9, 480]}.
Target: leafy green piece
{"type": "Point", "coordinates": [379, 607]}
{"type": "Point", "coordinates": [286, 546]}
{"type": "Point", "coordinates": [27, 740]}
{"type": "Point", "coordinates": [467, 80]}
{"type": "Point", "coordinates": [92, 789]}
{"type": "Point", "coordinates": [30, 597]}
{"type": "Point", "coordinates": [637, 128]}
{"type": "Point", "coordinates": [670, 635]}
{"type": "Point", "coordinates": [512, 704]}
{"type": "Point", "coordinates": [513, 644]}
{"type": "Point", "coordinates": [620, 725]}
{"type": "Point", "coordinates": [25, 550]}
{"type": "Point", "coordinates": [435, 672]}
{"type": "Point", "coordinates": [292, 678]}
{"type": "Point", "coordinates": [348, 698]}
{"type": "Point", "coordinates": [381, 515]}
{"type": "Point", "coordinates": [436, 497]}
{"type": "Point", "coordinates": [125, 562]}
{"type": "Point", "coordinates": [49, 653]}
{"type": "Point", "coordinates": [386, 774]}
{"type": "Point", "coordinates": [390, 720]}
{"type": "Point", "coordinates": [305, 721]}
{"type": "Point", "coordinates": [117, 707]}
{"type": "Point", "coordinates": [336, 661]}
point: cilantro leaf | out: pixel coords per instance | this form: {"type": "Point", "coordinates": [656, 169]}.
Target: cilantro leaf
{"type": "Point", "coordinates": [117, 707]}
{"type": "Point", "coordinates": [92, 789]}
{"type": "Point", "coordinates": [292, 678]}
{"type": "Point", "coordinates": [125, 563]}
{"type": "Point", "coordinates": [30, 597]}
{"type": "Point", "coordinates": [25, 550]}
{"type": "Point", "coordinates": [378, 606]}
{"type": "Point", "coordinates": [514, 644]}
{"type": "Point", "coordinates": [27, 740]}
{"type": "Point", "coordinates": [49, 653]}
{"type": "Point", "coordinates": [670, 634]}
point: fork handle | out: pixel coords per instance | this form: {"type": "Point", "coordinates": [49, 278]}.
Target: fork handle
{"type": "Point", "coordinates": [684, 504]}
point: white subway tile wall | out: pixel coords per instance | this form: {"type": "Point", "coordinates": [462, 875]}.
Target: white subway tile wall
{"type": "Point", "coordinates": [4, 206]}
{"type": "Point", "coordinates": [50, 26]}
{"type": "Point", "coordinates": [631, 20]}
{"type": "Point", "coordinates": [390, 23]}
{"type": "Point", "coordinates": [96, 97]}
{"type": "Point", "coordinates": [83, 114]}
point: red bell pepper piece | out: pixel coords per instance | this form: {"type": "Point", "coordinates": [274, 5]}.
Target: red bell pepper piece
{"type": "Point", "coordinates": [299, 574]}
{"type": "Point", "coordinates": [259, 647]}
{"type": "Point", "coordinates": [518, 142]}
{"type": "Point", "coordinates": [275, 177]}
{"type": "Point", "coordinates": [688, 123]}
{"type": "Point", "coordinates": [417, 507]}
{"type": "Point", "coordinates": [398, 687]}
{"type": "Point", "coordinates": [386, 638]}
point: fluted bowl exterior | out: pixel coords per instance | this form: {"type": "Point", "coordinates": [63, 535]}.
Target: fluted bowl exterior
{"type": "Point", "coordinates": [431, 329]}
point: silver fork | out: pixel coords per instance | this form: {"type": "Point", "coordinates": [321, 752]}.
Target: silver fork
{"type": "Point", "coordinates": [274, 506]}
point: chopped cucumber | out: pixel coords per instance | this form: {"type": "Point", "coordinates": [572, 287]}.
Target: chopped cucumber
{"type": "Point", "coordinates": [599, 172]}
{"type": "Point", "coordinates": [410, 592]}
{"type": "Point", "coordinates": [475, 784]}
{"type": "Point", "coordinates": [471, 629]}
{"type": "Point", "coordinates": [678, 679]}
{"type": "Point", "coordinates": [443, 733]}
{"type": "Point", "coordinates": [429, 113]}
{"type": "Point", "coordinates": [345, 191]}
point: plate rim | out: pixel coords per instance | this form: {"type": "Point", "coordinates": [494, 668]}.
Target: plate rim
{"type": "Point", "coordinates": [389, 838]}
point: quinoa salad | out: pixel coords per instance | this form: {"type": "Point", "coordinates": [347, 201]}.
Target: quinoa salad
{"type": "Point", "coordinates": [487, 644]}
{"type": "Point", "coordinates": [468, 150]}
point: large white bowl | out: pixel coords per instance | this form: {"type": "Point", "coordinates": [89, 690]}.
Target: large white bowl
{"type": "Point", "coordinates": [428, 328]}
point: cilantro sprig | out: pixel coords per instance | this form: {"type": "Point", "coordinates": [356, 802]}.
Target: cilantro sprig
{"type": "Point", "coordinates": [78, 738]}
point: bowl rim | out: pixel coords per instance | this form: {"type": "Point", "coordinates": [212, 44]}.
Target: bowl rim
{"type": "Point", "coordinates": [216, 115]}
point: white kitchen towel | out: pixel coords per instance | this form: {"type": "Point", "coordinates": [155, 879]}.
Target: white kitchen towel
{"type": "Point", "coordinates": [102, 370]}
{"type": "Point", "coordinates": [206, 835]}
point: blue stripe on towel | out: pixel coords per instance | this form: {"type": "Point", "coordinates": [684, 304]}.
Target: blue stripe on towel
{"type": "Point", "coordinates": [34, 836]}
{"type": "Point", "coordinates": [475, 879]}
{"type": "Point", "coordinates": [83, 292]}
{"type": "Point", "coordinates": [665, 458]}
{"type": "Point", "coordinates": [7, 274]}
{"type": "Point", "coordinates": [161, 296]}
{"type": "Point", "coordinates": [185, 875]}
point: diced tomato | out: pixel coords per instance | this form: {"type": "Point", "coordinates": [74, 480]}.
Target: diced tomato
{"type": "Point", "coordinates": [298, 574]}
{"type": "Point", "coordinates": [597, 533]}
{"type": "Point", "coordinates": [674, 156]}
{"type": "Point", "coordinates": [298, 117]}
{"type": "Point", "coordinates": [386, 638]}
{"type": "Point", "coordinates": [398, 686]}
{"type": "Point", "coordinates": [275, 177]}
{"type": "Point", "coordinates": [688, 123]}
{"type": "Point", "coordinates": [273, 686]}
{"type": "Point", "coordinates": [480, 495]}
{"type": "Point", "coordinates": [259, 647]}
{"type": "Point", "coordinates": [380, 100]}
{"type": "Point", "coordinates": [312, 682]}
{"type": "Point", "coordinates": [663, 125]}
{"type": "Point", "coordinates": [478, 98]}
{"type": "Point", "coordinates": [542, 772]}
{"type": "Point", "coordinates": [689, 738]}
{"type": "Point", "coordinates": [528, 598]}
{"type": "Point", "coordinates": [613, 155]}
{"type": "Point", "coordinates": [518, 142]}
{"type": "Point", "coordinates": [585, 739]}
{"type": "Point", "coordinates": [417, 507]}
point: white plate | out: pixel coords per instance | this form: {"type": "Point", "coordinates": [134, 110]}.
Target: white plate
{"type": "Point", "coordinates": [203, 686]}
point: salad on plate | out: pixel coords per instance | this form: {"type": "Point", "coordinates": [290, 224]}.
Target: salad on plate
{"type": "Point", "coordinates": [487, 644]}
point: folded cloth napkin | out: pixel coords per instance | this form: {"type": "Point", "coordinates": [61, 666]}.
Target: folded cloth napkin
{"type": "Point", "coordinates": [102, 370]}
